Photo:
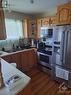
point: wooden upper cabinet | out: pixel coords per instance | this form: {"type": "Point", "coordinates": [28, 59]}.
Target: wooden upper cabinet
{"type": "Point", "coordinates": [32, 28]}
{"type": "Point", "coordinates": [53, 20]}
{"type": "Point", "coordinates": [64, 14]}
{"type": "Point", "coordinates": [25, 29]}
{"type": "Point", "coordinates": [38, 27]}
{"type": "Point", "coordinates": [2, 24]}
{"type": "Point", "coordinates": [45, 21]}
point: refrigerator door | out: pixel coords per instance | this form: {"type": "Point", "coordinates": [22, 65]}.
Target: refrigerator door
{"type": "Point", "coordinates": [58, 45]}
{"type": "Point", "coordinates": [68, 52]}
{"type": "Point", "coordinates": [63, 46]}
{"type": "Point", "coordinates": [57, 33]}
{"type": "Point", "coordinates": [61, 70]}
{"type": "Point", "coordinates": [66, 49]}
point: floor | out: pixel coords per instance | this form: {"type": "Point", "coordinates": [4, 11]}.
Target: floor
{"type": "Point", "coordinates": [42, 84]}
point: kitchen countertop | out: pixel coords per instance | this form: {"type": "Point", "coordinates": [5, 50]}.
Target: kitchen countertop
{"type": "Point", "coordinates": [8, 71]}
{"type": "Point", "coordinates": [4, 54]}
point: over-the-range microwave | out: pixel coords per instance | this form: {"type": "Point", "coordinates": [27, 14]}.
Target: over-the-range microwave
{"type": "Point", "coordinates": [46, 32]}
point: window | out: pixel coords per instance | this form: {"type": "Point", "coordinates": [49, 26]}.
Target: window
{"type": "Point", "coordinates": [13, 28]}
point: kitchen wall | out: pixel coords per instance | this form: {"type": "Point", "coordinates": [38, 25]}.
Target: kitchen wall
{"type": "Point", "coordinates": [8, 44]}
{"type": "Point", "coordinates": [46, 14]}
{"type": "Point", "coordinates": [15, 15]}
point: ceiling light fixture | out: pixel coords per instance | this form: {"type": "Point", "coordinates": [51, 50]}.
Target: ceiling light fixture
{"type": "Point", "coordinates": [32, 1]}
{"type": "Point", "coordinates": [6, 5]}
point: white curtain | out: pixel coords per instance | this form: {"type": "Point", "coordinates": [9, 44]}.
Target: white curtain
{"type": "Point", "coordinates": [14, 28]}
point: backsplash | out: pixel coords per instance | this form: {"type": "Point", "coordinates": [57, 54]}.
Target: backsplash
{"type": "Point", "coordinates": [8, 44]}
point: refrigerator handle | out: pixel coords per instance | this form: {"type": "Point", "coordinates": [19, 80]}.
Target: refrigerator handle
{"type": "Point", "coordinates": [65, 46]}
{"type": "Point", "coordinates": [62, 46]}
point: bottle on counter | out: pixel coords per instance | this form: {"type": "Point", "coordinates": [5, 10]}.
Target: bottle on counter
{"type": "Point", "coordinates": [13, 47]}
{"type": "Point", "coordinates": [32, 42]}
{"type": "Point", "coordinates": [3, 49]}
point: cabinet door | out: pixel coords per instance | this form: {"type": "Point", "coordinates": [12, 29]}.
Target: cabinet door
{"type": "Point", "coordinates": [25, 31]}
{"type": "Point", "coordinates": [32, 28]}
{"type": "Point", "coordinates": [64, 14]}
{"type": "Point", "coordinates": [24, 60]}
{"type": "Point", "coordinates": [32, 58]}
{"type": "Point", "coordinates": [2, 24]}
{"type": "Point", "coordinates": [28, 59]}
{"type": "Point", "coordinates": [45, 21]}
{"type": "Point", "coordinates": [14, 58]}
{"type": "Point", "coordinates": [7, 58]}
{"type": "Point", "coordinates": [38, 27]}
{"type": "Point", "coordinates": [53, 20]}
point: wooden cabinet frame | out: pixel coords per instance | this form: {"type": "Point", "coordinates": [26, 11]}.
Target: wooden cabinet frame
{"type": "Point", "coordinates": [64, 14]}
{"type": "Point", "coordinates": [61, 16]}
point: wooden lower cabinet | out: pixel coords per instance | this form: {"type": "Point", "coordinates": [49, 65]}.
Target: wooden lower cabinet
{"type": "Point", "coordinates": [24, 59]}
{"type": "Point", "coordinates": [28, 59]}
{"type": "Point", "coordinates": [7, 58]}
{"type": "Point", "coordinates": [14, 58]}
{"type": "Point", "coordinates": [26, 90]}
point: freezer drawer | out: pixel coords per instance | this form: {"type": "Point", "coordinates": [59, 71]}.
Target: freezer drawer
{"type": "Point", "coordinates": [61, 74]}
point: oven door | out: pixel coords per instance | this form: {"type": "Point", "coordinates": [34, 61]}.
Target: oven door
{"type": "Point", "coordinates": [45, 59]}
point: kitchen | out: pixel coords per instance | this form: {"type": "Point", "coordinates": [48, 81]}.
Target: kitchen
{"type": "Point", "coordinates": [19, 50]}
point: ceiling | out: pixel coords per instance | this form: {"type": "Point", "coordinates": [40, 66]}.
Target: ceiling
{"type": "Point", "coordinates": [37, 7]}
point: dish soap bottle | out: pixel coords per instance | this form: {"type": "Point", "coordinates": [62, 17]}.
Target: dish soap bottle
{"type": "Point", "coordinates": [13, 48]}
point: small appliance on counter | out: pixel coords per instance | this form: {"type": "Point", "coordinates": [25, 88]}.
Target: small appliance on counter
{"type": "Point", "coordinates": [21, 43]}
{"type": "Point", "coordinates": [41, 46]}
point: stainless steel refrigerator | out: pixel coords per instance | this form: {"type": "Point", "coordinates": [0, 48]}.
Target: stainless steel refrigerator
{"type": "Point", "coordinates": [61, 60]}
